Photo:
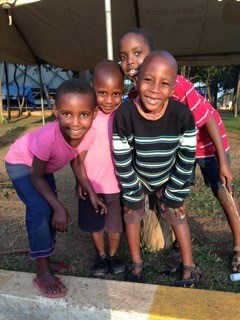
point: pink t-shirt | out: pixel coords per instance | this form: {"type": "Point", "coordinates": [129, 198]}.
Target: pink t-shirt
{"type": "Point", "coordinates": [202, 110]}
{"type": "Point", "coordinates": [47, 143]}
{"type": "Point", "coordinates": [99, 162]}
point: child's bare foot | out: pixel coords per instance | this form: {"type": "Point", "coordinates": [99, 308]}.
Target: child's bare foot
{"type": "Point", "coordinates": [61, 267]}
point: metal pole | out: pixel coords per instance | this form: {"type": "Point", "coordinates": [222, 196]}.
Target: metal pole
{"type": "Point", "coordinates": [8, 95]}
{"type": "Point", "coordinates": [108, 19]}
{"type": "Point", "coordinates": [41, 93]}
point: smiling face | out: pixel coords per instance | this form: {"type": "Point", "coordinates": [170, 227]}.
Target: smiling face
{"type": "Point", "coordinates": [109, 91]}
{"type": "Point", "coordinates": [132, 50]}
{"type": "Point", "coordinates": [75, 113]}
{"type": "Point", "coordinates": [156, 82]}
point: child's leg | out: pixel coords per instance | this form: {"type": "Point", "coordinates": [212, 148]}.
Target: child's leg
{"type": "Point", "coordinates": [114, 229]}
{"type": "Point", "coordinates": [177, 218]}
{"type": "Point", "coordinates": [114, 241]}
{"type": "Point", "coordinates": [91, 221]}
{"type": "Point", "coordinates": [98, 241]}
{"type": "Point", "coordinates": [113, 219]}
{"type": "Point", "coordinates": [133, 240]}
{"type": "Point", "coordinates": [183, 237]}
{"type": "Point", "coordinates": [210, 170]}
{"type": "Point", "coordinates": [116, 265]}
{"type": "Point", "coordinates": [133, 224]}
{"type": "Point", "coordinates": [233, 219]}
{"type": "Point", "coordinates": [41, 235]}
{"type": "Point", "coordinates": [100, 267]}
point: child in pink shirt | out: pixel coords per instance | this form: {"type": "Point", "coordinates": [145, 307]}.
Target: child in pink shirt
{"type": "Point", "coordinates": [31, 162]}
{"type": "Point", "coordinates": [100, 175]}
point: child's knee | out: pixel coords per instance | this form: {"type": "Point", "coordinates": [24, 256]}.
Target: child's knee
{"type": "Point", "coordinates": [171, 216]}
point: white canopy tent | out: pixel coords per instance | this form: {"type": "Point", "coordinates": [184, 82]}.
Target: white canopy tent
{"type": "Point", "coordinates": [72, 33]}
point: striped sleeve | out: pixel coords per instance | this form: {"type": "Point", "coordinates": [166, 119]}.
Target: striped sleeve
{"type": "Point", "coordinates": [177, 188]}
{"type": "Point", "coordinates": [131, 186]}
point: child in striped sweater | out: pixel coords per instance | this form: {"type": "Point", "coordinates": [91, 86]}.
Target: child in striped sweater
{"type": "Point", "coordinates": [212, 151]}
{"type": "Point", "coordinates": [154, 142]}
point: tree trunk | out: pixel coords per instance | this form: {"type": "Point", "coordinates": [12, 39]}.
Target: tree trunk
{"type": "Point", "coordinates": [209, 92]}
{"type": "Point", "coordinates": [235, 105]}
{"type": "Point", "coordinates": [156, 233]}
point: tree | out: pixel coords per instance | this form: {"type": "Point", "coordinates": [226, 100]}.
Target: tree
{"type": "Point", "coordinates": [216, 77]}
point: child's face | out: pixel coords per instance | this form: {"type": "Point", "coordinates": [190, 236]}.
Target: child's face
{"type": "Point", "coordinates": [109, 92]}
{"type": "Point", "coordinates": [132, 50]}
{"type": "Point", "coordinates": [156, 83]}
{"type": "Point", "coordinates": [75, 113]}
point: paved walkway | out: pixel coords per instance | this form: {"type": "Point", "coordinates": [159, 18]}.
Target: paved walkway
{"type": "Point", "coordinates": [95, 299]}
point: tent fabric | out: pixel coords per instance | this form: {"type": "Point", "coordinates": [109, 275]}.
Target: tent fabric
{"type": "Point", "coordinates": [72, 33]}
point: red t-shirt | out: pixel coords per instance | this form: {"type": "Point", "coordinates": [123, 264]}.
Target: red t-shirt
{"type": "Point", "coordinates": [202, 110]}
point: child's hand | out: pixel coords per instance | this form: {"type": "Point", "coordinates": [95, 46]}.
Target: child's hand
{"type": "Point", "coordinates": [61, 219]}
{"type": "Point", "coordinates": [98, 204]}
{"type": "Point", "coordinates": [80, 192]}
{"type": "Point", "coordinates": [170, 214]}
{"type": "Point", "coordinates": [226, 177]}
{"type": "Point", "coordinates": [130, 211]}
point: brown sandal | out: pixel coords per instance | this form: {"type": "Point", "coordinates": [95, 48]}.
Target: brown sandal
{"type": "Point", "coordinates": [236, 260]}
{"type": "Point", "coordinates": [192, 281]}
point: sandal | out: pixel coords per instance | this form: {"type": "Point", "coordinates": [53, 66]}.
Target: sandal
{"type": "Point", "coordinates": [133, 277]}
{"type": "Point", "coordinates": [236, 260]}
{"type": "Point", "coordinates": [191, 282]}
{"type": "Point", "coordinates": [40, 285]}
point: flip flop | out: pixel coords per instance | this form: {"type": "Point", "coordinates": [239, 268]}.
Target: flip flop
{"type": "Point", "coordinates": [41, 285]}
{"type": "Point", "coordinates": [62, 267]}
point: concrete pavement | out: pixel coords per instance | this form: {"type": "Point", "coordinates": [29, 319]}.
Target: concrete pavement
{"type": "Point", "coordinates": [96, 299]}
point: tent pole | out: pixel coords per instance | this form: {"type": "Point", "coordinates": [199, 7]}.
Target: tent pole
{"type": "Point", "coordinates": [8, 95]}
{"type": "Point", "coordinates": [1, 102]}
{"type": "Point", "coordinates": [41, 93]}
{"type": "Point", "coordinates": [108, 19]}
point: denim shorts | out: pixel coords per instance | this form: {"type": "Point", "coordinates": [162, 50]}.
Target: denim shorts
{"type": "Point", "coordinates": [92, 221]}
{"type": "Point", "coordinates": [210, 171]}
{"type": "Point", "coordinates": [41, 234]}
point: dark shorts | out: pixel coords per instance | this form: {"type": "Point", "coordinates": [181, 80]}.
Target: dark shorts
{"type": "Point", "coordinates": [90, 220]}
{"type": "Point", "coordinates": [41, 234]}
{"type": "Point", "coordinates": [210, 171]}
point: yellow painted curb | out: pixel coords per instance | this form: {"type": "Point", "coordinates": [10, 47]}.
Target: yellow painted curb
{"type": "Point", "coordinates": [190, 304]}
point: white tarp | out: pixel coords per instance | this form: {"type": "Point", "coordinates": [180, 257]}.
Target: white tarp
{"type": "Point", "coordinates": [72, 33]}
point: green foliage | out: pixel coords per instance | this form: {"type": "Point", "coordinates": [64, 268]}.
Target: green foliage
{"type": "Point", "coordinates": [231, 124]}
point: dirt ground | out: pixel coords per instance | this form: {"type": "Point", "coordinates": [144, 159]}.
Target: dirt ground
{"type": "Point", "coordinates": [76, 246]}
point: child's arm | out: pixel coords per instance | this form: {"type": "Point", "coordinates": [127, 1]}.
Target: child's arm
{"type": "Point", "coordinates": [186, 93]}
{"type": "Point", "coordinates": [177, 188]}
{"type": "Point", "coordinates": [80, 173]}
{"type": "Point", "coordinates": [61, 218]}
{"type": "Point", "coordinates": [225, 173]}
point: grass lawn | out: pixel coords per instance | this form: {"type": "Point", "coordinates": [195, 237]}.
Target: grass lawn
{"type": "Point", "coordinates": [211, 236]}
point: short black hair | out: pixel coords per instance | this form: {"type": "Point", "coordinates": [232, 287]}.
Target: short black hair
{"type": "Point", "coordinates": [147, 37]}
{"type": "Point", "coordinates": [163, 54]}
{"type": "Point", "coordinates": [76, 86]}
{"type": "Point", "coordinates": [109, 68]}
